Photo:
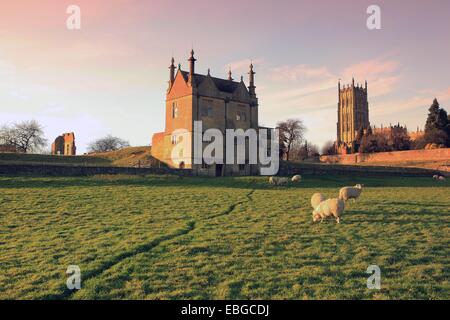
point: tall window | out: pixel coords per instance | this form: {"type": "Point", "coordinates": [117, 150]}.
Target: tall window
{"type": "Point", "coordinates": [241, 116]}
{"type": "Point", "coordinates": [207, 111]}
{"type": "Point", "coordinates": [174, 110]}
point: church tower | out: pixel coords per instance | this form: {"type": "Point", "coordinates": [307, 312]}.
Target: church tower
{"type": "Point", "coordinates": [353, 115]}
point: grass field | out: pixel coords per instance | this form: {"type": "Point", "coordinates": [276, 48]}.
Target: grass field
{"type": "Point", "coordinates": [163, 237]}
{"type": "Point", "coordinates": [126, 157]}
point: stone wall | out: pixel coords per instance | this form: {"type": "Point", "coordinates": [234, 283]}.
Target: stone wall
{"type": "Point", "coordinates": [290, 169]}
{"type": "Point", "coordinates": [286, 169]}
{"type": "Point", "coordinates": [386, 157]}
{"type": "Point", "coordinates": [55, 170]}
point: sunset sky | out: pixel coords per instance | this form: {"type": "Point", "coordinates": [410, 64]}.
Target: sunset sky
{"type": "Point", "coordinates": [110, 77]}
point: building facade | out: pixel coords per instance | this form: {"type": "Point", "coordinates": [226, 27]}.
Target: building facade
{"type": "Point", "coordinates": [218, 103]}
{"type": "Point", "coordinates": [64, 145]}
{"type": "Point", "coordinates": [352, 115]}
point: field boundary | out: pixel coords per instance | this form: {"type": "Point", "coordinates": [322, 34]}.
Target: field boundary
{"type": "Point", "coordinates": [442, 154]}
{"type": "Point", "coordinates": [59, 170]}
{"type": "Point", "coordinates": [293, 168]}
{"type": "Point", "coordinates": [286, 169]}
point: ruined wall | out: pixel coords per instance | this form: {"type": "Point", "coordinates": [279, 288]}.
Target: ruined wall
{"type": "Point", "coordinates": [64, 145]}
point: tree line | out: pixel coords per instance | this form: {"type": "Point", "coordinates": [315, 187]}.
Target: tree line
{"type": "Point", "coordinates": [28, 137]}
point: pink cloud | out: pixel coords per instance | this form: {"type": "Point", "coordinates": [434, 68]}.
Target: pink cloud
{"type": "Point", "coordinates": [370, 69]}
{"type": "Point", "coordinates": [299, 73]}
{"type": "Point", "coordinates": [242, 65]}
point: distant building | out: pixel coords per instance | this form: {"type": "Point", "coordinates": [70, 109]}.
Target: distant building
{"type": "Point", "coordinates": [391, 131]}
{"type": "Point", "coordinates": [398, 130]}
{"type": "Point", "coordinates": [64, 145]}
{"type": "Point", "coordinates": [5, 148]}
{"type": "Point", "coordinates": [219, 103]}
{"type": "Point", "coordinates": [353, 115]}
{"type": "Point", "coordinates": [415, 135]}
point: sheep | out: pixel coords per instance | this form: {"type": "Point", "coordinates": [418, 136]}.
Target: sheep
{"type": "Point", "coordinates": [441, 178]}
{"type": "Point", "coordinates": [436, 177]}
{"type": "Point", "coordinates": [329, 208]}
{"type": "Point", "coordinates": [296, 178]}
{"type": "Point", "coordinates": [316, 199]}
{"type": "Point", "coordinates": [278, 181]}
{"type": "Point", "coordinates": [347, 193]}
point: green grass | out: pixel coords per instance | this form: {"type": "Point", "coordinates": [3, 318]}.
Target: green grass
{"type": "Point", "coordinates": [163, 237]}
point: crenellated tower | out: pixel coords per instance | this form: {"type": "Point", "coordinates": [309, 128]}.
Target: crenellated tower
{"type": "Point", "coordinates": [353, 115]}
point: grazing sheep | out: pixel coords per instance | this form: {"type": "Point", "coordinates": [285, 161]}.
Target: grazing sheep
{"type": "Point", "coordinates": [329, 208]}
{"type": "Point", "coordinates": [347, 193]}
{"type": "Point", "coordinates": [316, 199]}
{"type": "Point", "coordinates": [442, 178]}
{"type": "Point", "coordinates": [436, 177]}
{"type": "Point", "coordinates": [296, 178]}
{"type": "Point", "coordinates": [278, 181]}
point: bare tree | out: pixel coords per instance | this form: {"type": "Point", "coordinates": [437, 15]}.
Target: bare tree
{"type": "Point", "coordinates": [291, 133]}
{"type": "Point", "coordinates": [26, 136]}
{"type": "Point", "coordinates": [305, 151]}
{"type": "Point", "coordinates": [108, 143]}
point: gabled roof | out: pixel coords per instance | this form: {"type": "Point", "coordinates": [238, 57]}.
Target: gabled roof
{"type": "Point", "coordinates": [227, 86]}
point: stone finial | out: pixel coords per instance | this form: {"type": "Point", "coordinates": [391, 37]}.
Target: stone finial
{"type": "Point", "coordinates": [191, 65]}
{"type": "Point", "coordinates": [172, 71]}
{"type": "Point", "coordinates": [251, 87]}
{"type": "Point", "coordinates": [229, 75]}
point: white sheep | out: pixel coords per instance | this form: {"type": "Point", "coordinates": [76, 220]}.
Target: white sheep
{"type": "Point", "coordinates": [347, 193]}
{"type": "Point", "coordinates": [278, 181]}
{"type": "Point", "coordinates": [329, 208]}
{"type": "Point", "coordinates": [296, 178]}
{"type": "Point", "coordinates": [436, 177]}
{"type": "Point", "coordinates": [316, 199]}
{"type": "Point", "coordinates": [441, 178]}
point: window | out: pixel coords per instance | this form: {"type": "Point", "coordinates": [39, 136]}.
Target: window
{"type": "Point", "coordinates": [174, 110]}
{"type": "Point", "coordinates": [174, 139]}
{"type": "Point", "coordinates": [241, 116]}
{"type": "Point", "coordinates": [207, 111]}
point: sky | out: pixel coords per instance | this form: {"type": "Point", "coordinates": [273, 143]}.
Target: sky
{"type": "Point", "coordinates": [110, 77]}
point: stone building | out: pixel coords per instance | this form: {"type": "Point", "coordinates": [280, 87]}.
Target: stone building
{"type": "Point", "coordinates": [391, 130]}
{"type": "Point", "coordinates": [64, 145]}
{"type": "Point", "coordinates": [352, 115]}
{"type": "Point", "coordinates": [219, 103]}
